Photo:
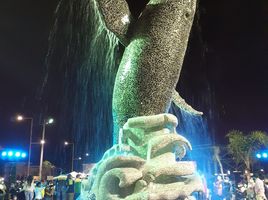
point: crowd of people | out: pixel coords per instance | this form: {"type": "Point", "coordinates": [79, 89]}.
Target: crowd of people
{"type": "Point", "coordinates": [68, 187]}
{"type": "Point", "coordinates": [249, 188]}
{"type": "Point", "coordinates": [62, 188]}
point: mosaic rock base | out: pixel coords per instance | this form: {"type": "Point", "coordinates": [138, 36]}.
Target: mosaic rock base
{"type": "Point", "coordinates": [143, 165]}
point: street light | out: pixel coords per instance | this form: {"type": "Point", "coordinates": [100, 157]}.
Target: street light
{"type": "Point", "coordinates": [66, 144]}
{"type": "Point", "coordinates": [21, 118]}
{"type": "Point", "coordinates": [45, 122]}
{"type": "Point", "coordinates": [50, 121]}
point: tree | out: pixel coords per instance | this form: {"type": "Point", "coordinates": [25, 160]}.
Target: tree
{"type": "Point", "coordinates": [48, 168]}
{"type": "Point", "coordinates": [243, 146]}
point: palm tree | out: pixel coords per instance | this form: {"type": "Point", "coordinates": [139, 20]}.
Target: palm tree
{"type": "Point", "coordinates": [243, 146]}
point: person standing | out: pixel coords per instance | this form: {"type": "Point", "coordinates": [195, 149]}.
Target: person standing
{"type": "Point", "coordinates": [70, 187]}
{"type": "Point", "coordinates": [250, 190]}
{"type": "Point", "coordinates": [49, 191]}
{"type": "Point", "coordinates": [259, 188]}
{"type": "Point", "coordinates": [28, 188]}
{"type": "Point", "coordinates": [77, 186]}
{"type": "Point", "coordinates": [61, 187]}
{"type": "Point", "coordinates": [38, 191]}
{"type": "Point", "coordinates": [12, 192]}
{"type": "Point", "coordinates": [218, 188]}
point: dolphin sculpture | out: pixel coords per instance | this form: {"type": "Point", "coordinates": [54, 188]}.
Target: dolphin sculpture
{"type": "Point", "coordinates": [151, 64]}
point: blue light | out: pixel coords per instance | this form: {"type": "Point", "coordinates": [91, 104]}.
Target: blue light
{"type": "Point", "coordinates": [10, 153]}
{"type": "Point", "coordinates": [4, 153]}
{"type": "Point", "coordinates": [258, 155]}
{"type": "Point", "coordinates": [265, 155]}
{"type": "Point", "coordinates": [17, 154]}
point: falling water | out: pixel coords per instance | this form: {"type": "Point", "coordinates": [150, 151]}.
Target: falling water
{"type": "Point", "coordinates": [217, 157]}
{"type": "Point", "coordinates": [86, 56]}
{"type": "Point", "coordinates": [195, 129]}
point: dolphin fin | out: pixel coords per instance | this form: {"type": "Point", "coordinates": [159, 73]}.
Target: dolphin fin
{"type": "Point", "coordinates": [181, 104]}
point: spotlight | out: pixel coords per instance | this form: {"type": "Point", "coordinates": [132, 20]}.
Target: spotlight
{"type": "Point", "coordinates": [4, 153]}
{"type": "Point", "coordinates": [23, 155]}
{"type": "Point", "coordinates": [258, 155]}
{"type": "Point", "coordinates": [17, 154]}
{"type": "Point", "coordinates": [265, 155]}
{"type": "Point", "coordinates": [10, 153]}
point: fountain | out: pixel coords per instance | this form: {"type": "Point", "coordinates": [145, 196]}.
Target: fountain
{"type": "Point", "coordinates": [142, 162]}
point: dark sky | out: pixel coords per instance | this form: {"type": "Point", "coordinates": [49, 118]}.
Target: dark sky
{"type": "Point", "coordinates": [24, 29]}
{"type": "Point", "coordinates": [234, 40]}
{"type": "Point", "coordinates": [236, 35]}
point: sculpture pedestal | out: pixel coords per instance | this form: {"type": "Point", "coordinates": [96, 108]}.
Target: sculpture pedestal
{"type": "Point", "coordinates": [143, 165]}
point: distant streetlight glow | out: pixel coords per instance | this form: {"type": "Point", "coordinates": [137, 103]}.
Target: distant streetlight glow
{"type": "Point", "coordinates": [4, 153]}
{"type": "Point", "coordinates": [45, 122]}
{"type": "Point", "coordinates": [19, 118]}
{"type": "Point", "coordinates": [23, 155]}
{"type": "Point", "coordinates": [50, 121]}
{"type": "Point", "coordinates": [87, 154]}
{"type": "Point", "coordinates": [79, 158]}
{"type": "Point", "coordinates": [258, 155]}
{"type": "Point", "coordinates": [71, 143]}
{"type": "Point", "coordinates": [265, 155]}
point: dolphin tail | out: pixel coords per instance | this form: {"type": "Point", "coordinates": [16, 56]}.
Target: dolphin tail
{"type": "Point", "coordinates": [181, 104]}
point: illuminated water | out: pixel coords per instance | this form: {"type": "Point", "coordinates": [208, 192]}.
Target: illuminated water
{"type": "Point", "coordinates": [195, 129]}
{"type": "Point", "coordinates": [84, 57]}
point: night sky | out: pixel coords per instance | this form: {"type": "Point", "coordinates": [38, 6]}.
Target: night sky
{"type": "Point", "coordinates": [228, 54]}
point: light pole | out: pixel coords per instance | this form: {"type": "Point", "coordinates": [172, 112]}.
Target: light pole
{"type": "Point", "coordinates": [45, 122]}
{"type": "Point", "coordinates": [21, 118]}
{"type": "Point", "coordinates": [66, 144]}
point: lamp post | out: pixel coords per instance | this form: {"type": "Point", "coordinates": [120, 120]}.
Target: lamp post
{"type": "Point", "coordinates": [21, 118]}
{"type": "Point", "coordinates": [42, 142]}
{"type": "Point", "coordinates": [66, 144]}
